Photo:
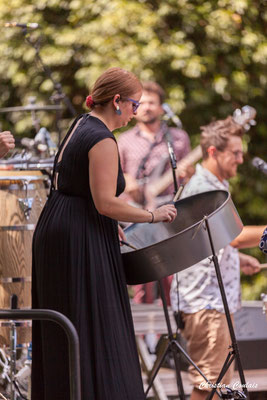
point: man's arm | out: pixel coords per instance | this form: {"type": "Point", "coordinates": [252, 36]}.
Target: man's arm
{"type": "Point", "coordinates": [249, 237]}
{"type": "Point", "coordinates": [132, 192]}
{"type": "Point", "coordinates": [249, 265]}
{"type": "Point", "coordinates": [7, 142]}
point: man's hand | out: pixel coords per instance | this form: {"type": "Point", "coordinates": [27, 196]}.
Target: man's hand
{"type": "Point", "coordinates": [7, 142]}
{"type": "Point", "coordinates": [186, 171]}
{"type": "Point", "coordinates": [133, 189]}
{"type": "Point", "coordinates": [249, 265]}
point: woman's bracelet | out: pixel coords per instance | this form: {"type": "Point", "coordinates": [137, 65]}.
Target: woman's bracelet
{"type": "Point", "coordinates": [152, 217]}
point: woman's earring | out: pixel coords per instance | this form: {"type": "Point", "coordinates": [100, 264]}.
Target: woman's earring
{"type": "Point", "coordinates": [118, 111]}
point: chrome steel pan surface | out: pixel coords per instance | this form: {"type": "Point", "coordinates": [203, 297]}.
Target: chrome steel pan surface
{"type": "Point", "coordinates": [164, 249]}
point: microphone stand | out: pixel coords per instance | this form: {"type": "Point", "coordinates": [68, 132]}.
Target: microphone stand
{"type": "Point", "coordinates": [173, 165]}
{"type": "Point", "coordinates": [173, 346]}
{"type": "Point", "coordinates": [59, 94]}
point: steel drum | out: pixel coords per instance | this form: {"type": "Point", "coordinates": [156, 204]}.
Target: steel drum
{"type": "Point", "coordinates": [164, 249]}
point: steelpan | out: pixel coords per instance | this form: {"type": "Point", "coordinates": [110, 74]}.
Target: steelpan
{"type": "Point", "coordinates": [164, 249]}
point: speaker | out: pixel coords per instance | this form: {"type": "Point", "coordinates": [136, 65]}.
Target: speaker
{"type": "Point", "coordinates": [250, 325]}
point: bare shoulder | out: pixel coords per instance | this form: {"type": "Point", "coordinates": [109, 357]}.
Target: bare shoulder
{"type": "Point", "coordinates": [104, 148]}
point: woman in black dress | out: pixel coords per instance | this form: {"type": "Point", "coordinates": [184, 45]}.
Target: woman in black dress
{"type": "Point", "coordinates": [77, 267]}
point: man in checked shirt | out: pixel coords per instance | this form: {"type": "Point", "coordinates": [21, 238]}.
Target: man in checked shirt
{"type": "Point", "coordinates": [144, 158]}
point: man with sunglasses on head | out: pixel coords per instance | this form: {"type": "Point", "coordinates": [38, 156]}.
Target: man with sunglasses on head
{"type": "Point", "coordinates": [7, 142]}
{"type": "Point", "coordinates": [199, 297]}
{"type": "Point", "coordinates": [144, 158]}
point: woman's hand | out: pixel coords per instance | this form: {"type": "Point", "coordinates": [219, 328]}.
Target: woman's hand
{"type": "Point", "coordinates": [166, 213]}
{"type": "Point", "coordinates": [121, 234]}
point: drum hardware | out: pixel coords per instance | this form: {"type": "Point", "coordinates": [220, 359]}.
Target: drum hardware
{"type": "Point", "coordinates": [15, 279]}
{"type": "Point", "coordinates": [13, 348]}
{"type": "Point", "coordinates": [26, 203]}
{"type": "Point", "coordinates": [13, 341]}
{"type": "Point", "coordinates": [18, 228]}
{"type": "Point", "coordinates": [5, 365]}
{"type": "Point", "coordinates": [16, 231]}
{"type": "Point", "coordinates": [23, 372]}
{"type": "Point", "coordinates": [32, 107]}
{"type": "Point", "coordinates": [230, 394]}
{"type": "Point", "coordinates": [18, 324]}
{"type": "Point", "coordinates": [14, 389]}
{"type": "Point", "coordinates": [26, 206]}
{"type": "Point", "coordinates": [166, 249]}
{"type": "Point", "coordinates": [72, 336]}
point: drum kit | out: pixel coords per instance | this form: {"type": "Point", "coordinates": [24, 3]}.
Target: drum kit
{"type": "Point", "coordinates": [24, 187]}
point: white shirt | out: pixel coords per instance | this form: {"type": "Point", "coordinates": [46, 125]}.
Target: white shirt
{"type": "Point", "coordinates": [198, 285]}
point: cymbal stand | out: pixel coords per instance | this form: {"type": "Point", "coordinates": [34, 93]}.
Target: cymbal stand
{"type": "Point", "coordinates": [59, 94]}
{"type": "Point", "coordinates": [176, 349]}
{"type": "Point", "coordinates": [234, 353]}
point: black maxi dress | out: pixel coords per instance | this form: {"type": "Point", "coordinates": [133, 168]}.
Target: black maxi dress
{"type": "Point", "coordinates": [77, 270]}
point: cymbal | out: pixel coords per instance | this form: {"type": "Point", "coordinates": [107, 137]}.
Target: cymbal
{"type": "Point", "coordinates": [32, 107]}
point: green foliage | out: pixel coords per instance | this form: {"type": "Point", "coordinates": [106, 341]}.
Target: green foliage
{"type": "Point", "coordinates": [210, 56]}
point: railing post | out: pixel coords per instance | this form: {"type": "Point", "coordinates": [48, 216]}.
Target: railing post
{"type": "Point", "coordinates": [73, 340]}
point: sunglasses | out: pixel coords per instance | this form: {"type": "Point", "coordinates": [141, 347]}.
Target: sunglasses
{"type": "Point", "coordinates": [135, 104]}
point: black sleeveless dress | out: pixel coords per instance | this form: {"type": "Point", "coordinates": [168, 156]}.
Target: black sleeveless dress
{"type": "Point", "coordinates": [77, 270]}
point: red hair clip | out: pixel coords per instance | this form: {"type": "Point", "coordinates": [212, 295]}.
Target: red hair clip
{"type": "Point", "coordinates": [89, 101]}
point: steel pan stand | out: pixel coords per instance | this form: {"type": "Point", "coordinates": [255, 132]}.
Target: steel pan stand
{"type": "Point", "coordinates": [176, 349]}
{"type": "Point", "coordinates": [234, 353]}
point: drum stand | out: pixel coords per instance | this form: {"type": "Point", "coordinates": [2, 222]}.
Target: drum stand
{"type": "Point", "coordinates": [13, 349]}
{"type": "Point", "coordinates": [176, 348]}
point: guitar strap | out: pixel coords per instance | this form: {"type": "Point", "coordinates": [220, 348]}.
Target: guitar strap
{"type": "Point", "coordinates": [141, 168]}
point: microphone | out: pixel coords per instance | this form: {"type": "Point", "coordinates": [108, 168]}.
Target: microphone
{"type": "Point", "coordinates": [172, 155]}
{"type": "Point", "coordinates": [31, 25]}
{"type": "Point", "coordinates": [260, 164]}
{"type": "Point", "coordinates": [171, 115]}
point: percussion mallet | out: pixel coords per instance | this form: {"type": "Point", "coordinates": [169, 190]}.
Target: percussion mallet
{"type": "Point", "coordinates": [178, 193]}
{"type": "Point", "coordinates": [128, 244]}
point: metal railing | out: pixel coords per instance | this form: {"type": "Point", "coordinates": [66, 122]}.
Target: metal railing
{"type": "Point", "coordinates": [73, 340]}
